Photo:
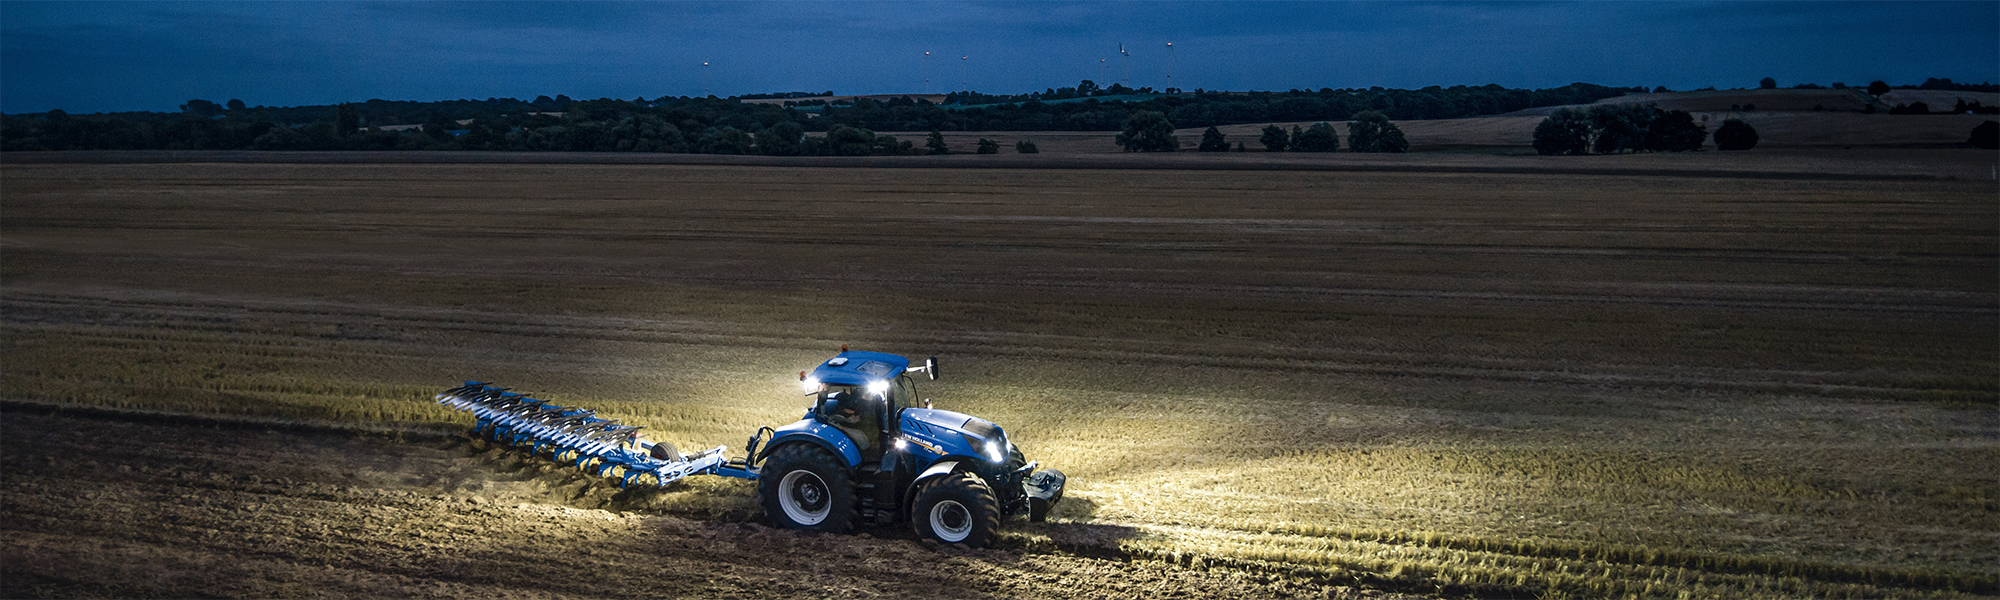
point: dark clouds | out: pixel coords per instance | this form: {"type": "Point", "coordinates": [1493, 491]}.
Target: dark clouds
{"type": "Point", "coordinates": [90, 57]}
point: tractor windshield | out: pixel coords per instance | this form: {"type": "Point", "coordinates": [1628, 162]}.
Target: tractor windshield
{"type": "Point", "coordinates": [903, 394]}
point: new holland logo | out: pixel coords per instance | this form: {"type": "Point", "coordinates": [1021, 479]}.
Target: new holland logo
{"type": "Point", "coordinates": [927, 445]}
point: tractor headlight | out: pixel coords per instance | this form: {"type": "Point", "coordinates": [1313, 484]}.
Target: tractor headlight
{"type": "Point", "coordinates": [994, 452]}
{"type": "Point", "coordinates": [878, 387]}
{"type": "Point", "coordinates": [811, 384]}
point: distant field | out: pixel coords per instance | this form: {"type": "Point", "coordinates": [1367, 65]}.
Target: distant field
{"type": "Point", "coordinates": [1515, 134]}
{"type": "Point", "coordinates": [1784, 118]}
{"type": "Point", "coordinates": [1660, 380]}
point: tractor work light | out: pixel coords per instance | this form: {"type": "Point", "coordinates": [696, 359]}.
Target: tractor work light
{"type": "Point", "coordinates": [879, 387]}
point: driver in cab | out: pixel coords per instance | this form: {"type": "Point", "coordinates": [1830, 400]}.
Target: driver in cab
{"type": "Point", "coordinates": [853, 414]}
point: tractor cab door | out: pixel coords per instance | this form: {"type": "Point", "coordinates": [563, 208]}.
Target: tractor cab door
{"type": "Point", "coordinates": [898, 467]}
{"type": "Point", "coordinates": [856, 415]}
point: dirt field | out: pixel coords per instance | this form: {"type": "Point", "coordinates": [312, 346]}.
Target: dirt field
{"type": "Point", "coordinates": [1776, 378]}
{"type": "Point", "coordinates": [191, 510]}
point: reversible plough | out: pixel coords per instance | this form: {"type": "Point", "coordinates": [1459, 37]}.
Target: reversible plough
{"type": "Point", "coordinates": [578, 437]}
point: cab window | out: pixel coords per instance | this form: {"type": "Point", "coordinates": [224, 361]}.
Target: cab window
{"type": "Point", "coordinates": [903, 394]}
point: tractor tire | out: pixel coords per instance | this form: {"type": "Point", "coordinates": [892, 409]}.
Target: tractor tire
{"type": "Point", "coordinates": [956, 509]}
{"type": "Point", "coordinates": [803, 487]}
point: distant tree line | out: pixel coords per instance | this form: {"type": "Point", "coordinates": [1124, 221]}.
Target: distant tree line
{"type": "Point", "coordinates": [729, 126]}
{"type": "Point", "coordinates": [725, 126]}
{"type": "Point", "coordinates": [1621, 128]}
{"type": "Point", "coordinates": [1037, 112]}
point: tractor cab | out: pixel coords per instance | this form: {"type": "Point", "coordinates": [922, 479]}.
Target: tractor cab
{"type": "Point", "coordinates": [862, 395]}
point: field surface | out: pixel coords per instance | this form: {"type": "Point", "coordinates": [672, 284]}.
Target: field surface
{"type": "Point", "coordinates": [1645, 381]}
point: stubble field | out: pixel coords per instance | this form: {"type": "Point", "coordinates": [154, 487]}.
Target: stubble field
{"type": "Point", "coordinates": [1270, 382]}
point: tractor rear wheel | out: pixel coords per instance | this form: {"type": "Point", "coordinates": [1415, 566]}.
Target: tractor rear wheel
{"type": "Point", "coordinates": [956, 509]}
{"type": "Point", "coordinates": [804, 487]}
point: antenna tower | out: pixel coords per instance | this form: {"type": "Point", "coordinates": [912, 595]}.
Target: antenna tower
{"type": "Point", "coordinates": [1125, 65]}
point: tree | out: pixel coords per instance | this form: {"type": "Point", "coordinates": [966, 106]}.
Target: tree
{"type": "Point", "coordinates": [888, 145]}
{"type": "Point", "coordinates": [1371, 131]}
{"type": "Point", "coordinates": [1734, 134]}
{"type": "Point", "coordinates": [1620, 127]}
{"type": "Point", "coordinates": [1026, 147]}
{"type": "Point", "coordinates": [1565, 131]}
{"type": "Point", "coordinates": [1148, 131]}
{"type": "Point", "coordinates": [987, 146]}
{"type": "Point", "coordinates": [201, 108]}
{"type": "Point", "coordinates": [1877, 88]}
{"type": "Point", "coordinates": [936, 143]}
{"type": "Point", "coordinates": [439, 127]}
{"type": "Point", "coordinates": [1767, 84]}
{"type": "Point", "coordinates": [843, 140]}
{"type": "Point", "coordinates": [1320, 137]}
{"type": "Point", "coordinates": [1913, 108]}
{"type": "Point", "coordinates": [235, 104]}
{"type": "Point", "coordinates": [719, 140]}
{"type": "Point", "coordinates": [1986, 135]}
{"type": "Point", "coordinates": [1675, 131]}
{"type": "Point", "coordinates": [345, 120]}
{"type": "Point", "coordinates": [1211, 141]}
{"type": "Point", "coordinates": [281, 138]}
{"type": "Point", "coordinates": [780, 139]}
{"type": "Point", "coordinates": [1275, 139]}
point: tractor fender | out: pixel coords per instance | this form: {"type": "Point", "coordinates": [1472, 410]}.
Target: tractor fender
{"type": "Point", "coordinates": [944, 466]}
{"type": "Point", "coordinates": [808, 432]}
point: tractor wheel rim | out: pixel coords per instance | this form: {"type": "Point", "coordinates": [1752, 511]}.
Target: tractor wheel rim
{"type": "Point", "coordinates": [803, 496]}
{"type": "Point", "coordinates": [951, 521]}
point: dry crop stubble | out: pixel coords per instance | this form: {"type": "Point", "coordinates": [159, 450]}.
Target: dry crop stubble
{"type": "Point", "coordinates": [1579, 384]}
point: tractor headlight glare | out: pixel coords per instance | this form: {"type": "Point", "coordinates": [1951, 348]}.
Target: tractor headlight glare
{"type": "Point", "coordinates": [810, 384]}
{"type": "Point", "coordinates": [993, 452]}
{"type": "Point", "coordinates": [879, 387]}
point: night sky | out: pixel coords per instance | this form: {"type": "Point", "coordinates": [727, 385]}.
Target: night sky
{"type": "Point", "coordinates": [86, 57]}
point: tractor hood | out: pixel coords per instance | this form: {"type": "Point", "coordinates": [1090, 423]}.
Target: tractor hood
{"type": "Point", "coordinates": [955, 421]}
{"type": "Point", "coordinates": [955, 433]}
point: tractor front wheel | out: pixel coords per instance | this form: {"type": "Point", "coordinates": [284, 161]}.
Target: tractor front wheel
{"type": "Point", "coordinates": [956, 509]}
{"type": "Point", "coordinates": [803, 487]}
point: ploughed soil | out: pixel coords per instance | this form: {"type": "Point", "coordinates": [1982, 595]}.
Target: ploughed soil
{"type": "Point", "coordinates": [144, 507]}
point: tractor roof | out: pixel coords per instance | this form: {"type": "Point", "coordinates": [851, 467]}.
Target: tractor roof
{"type": "Point", "coordinates": [855, 367]}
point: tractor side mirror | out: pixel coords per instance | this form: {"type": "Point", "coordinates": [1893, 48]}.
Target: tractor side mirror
{"type": "Point", "coordinates": [930, 367]}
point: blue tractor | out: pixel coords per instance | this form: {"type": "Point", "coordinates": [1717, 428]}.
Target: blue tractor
{"type": "Point", "coordinates": [867, 452]}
